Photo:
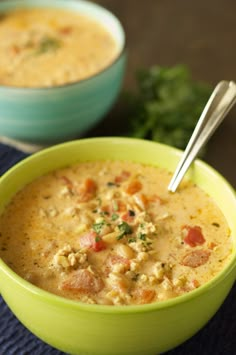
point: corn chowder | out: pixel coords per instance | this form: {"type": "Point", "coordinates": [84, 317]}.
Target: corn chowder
{"type": "Point", "coordinates": [43, 47]}
{"type": "Point", "coordinates": [110, 233]}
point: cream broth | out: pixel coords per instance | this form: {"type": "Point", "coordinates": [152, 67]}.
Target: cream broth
{"type": "Point", "coordinates": [42, 47]}
{"type": "Point", "coordinates": [110, 233]}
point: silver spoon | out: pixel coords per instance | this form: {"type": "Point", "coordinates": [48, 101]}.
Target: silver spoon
{"type": "Point", "coordinates": [219, 104]}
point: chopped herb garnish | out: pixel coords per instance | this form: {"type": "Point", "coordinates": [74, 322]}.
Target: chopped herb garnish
{"type": "Point", "coordinates": [165, 105]}
{"type": "Point", "coordinates": [120, 236]}
{"type": "Point", "coordinates": [97, 227]}
{"type": "Point", "coordinates": [110, 183]}
{"type": "Point", "coordinates": [124, 229]}
{"type": "Point", "coordinates": [142, 236]}
{"type": "Point", "coordinates": [95, 211]}
{"type": "Point", "coordinates": [104, 213]}
{"type": "Point", "coordinates": [47, 197]}
{"type": "Point", "coordinates": [114, 216]}
{"type": "Point", "coordinates": [115, 206]}
{"type": "Point", "coordinates": [135, 277]}
{"type": "Point", "coordinates": [131, 213]}
{"type": "Point", "coordinates": [216, 224]}
{"type": "Point", "coordinates": [131, 240]}
{"type": "Point", "coordinates": [48, 44]}
{"type": "Point", "coordinates": [97, 239]}
{"type": "Point", "coordinates": [99, 201]}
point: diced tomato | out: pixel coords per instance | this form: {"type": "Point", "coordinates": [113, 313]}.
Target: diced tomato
{"type": "Point", "coordinates": [194, 236]}
{"type": "Point", "coordinates": [211, 245]}
{"type": "Point", "coordinates": [87, 190]}
{"type": "Point", "coordinates": [82, 281]}
{"type": "Point", "coordinates": [117, 259]}
{"type": "Point", "coordinates": [155, 199]}
{"type": "Point", "coordinates": [127, 217]}
{"type": "Point", "coordinates": [122, 177]}
{"type": "Point", "coordinates": [15, 49]}
{"type": "Point", "coordinates": [93, 241]}
{"type": "Point", "coordinates": [66, 30]}
{"type": "Point", "coordinates": [196, 258]}
{"type": "Point", "coordinates": [195, 283]}
{"type": "Point", "coordinates": [133, 187]}
{"type": "Point", "coordinates": [118, 206]}
{"type": "Point", "coordinates": [98, 244]}
{"type": "Point", "coordinates": [144, 296]}
{"type": "Point", "coordinates": [90, 186]}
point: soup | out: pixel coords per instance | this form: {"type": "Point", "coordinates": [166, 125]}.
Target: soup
{"type": "Point", "coordinates": [41, 47]}
{"type": "Point", "coordinates": [109, 232]}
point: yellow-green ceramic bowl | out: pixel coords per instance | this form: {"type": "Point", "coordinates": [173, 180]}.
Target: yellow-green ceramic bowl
{"type": "Point", "coordinates": [56, 114]}
{"type": "Point", "coordinates": [85, 329]}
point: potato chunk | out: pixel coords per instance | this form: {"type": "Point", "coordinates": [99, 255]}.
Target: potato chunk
{"type": "Point", "coordinates": [82, 281]}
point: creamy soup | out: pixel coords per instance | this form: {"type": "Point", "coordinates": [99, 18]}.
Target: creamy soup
{"type": "Point", "coordinates": [42, 47]}
{"type": "Point", "coordinates": [111, 233]}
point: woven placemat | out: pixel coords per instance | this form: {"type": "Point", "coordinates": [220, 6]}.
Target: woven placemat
{"type": "Point", "coordinates": [217, 337]}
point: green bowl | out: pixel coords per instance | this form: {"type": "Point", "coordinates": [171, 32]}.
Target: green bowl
{"type": "Point", "coordinates": [78, 328]}
{"type": "Point", "coordinates": [56, 114]}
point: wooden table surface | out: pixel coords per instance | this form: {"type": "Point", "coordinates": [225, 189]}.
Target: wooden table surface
{"type": "Point", "coordinates": [198, 33]}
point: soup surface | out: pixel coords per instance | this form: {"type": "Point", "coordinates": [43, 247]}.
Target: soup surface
{"type": "Point", "coordinates": [43, 47]}
{"type": "Point", "coordinates": [110, 233]}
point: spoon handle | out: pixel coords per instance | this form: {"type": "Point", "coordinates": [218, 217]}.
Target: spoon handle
{"type": "Point", "coordinates": [219, 104]}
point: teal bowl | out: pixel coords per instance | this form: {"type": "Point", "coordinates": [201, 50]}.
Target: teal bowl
{"type": "Point", "coordinates": [89, 329]}
{"type": "Point", "coordinates": [56, 114]}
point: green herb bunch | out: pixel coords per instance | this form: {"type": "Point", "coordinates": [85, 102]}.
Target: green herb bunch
{"type": "Point", "coordinates": [167, 105]}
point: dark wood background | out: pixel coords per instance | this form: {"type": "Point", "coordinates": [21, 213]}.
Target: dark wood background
{"type": "Point", "coordinates": [198, 33]}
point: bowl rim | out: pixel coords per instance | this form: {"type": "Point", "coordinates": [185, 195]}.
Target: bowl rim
{"type": "Point", "coordinates": [121, 53]}
{"type": "Point", "coordinates": [51, 298]}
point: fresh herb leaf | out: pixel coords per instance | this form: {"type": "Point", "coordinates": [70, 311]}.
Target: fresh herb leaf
{"type": "Point", "coordinates": [48, 44]}
{"type": "Point", "coordinates": [135, 277]}
{"type": "Point", "coordinates": [125, 229]}
{"type": "Point", "coordinates": [104, 213]}
{"type": "Point", "coordinates": [167, 105]}
{"type": "Point", "coordinates": [110, 183]}
{"type": "Point", "coordinates": [115, 205]}
{"type": "Point", "coordinates": [97, 227]}
{"type": "Point", "coordinates": [131, 213]}
{"type": "Point", "coordinates": [114, 217]}
{"type": "Point", "coordinates": [142, 236]}
{"type": "Point", "coordinates": [215, 224]}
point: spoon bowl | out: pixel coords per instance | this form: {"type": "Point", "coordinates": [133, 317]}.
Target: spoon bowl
{"type": "Point", "coordinates": [219, 104]}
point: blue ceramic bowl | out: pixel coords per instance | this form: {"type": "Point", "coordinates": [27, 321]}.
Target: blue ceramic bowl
{"type": "Point", "coordinates": [49, 115]}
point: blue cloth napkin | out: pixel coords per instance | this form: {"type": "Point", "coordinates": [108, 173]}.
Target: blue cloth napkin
{"type": "Point", "coordinates": [216, 338]}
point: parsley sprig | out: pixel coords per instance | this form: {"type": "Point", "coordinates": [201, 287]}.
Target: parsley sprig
{"type": "Point", "coordinates": [48, 44]}
{"type": "Point", "coordinates": [167, 105]}
{"type": "Point", "coordinates": [125, 229]}
{"type": "Point", "coordinates": [97, 227]}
